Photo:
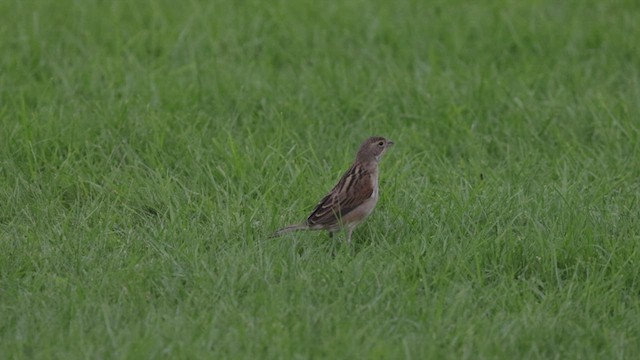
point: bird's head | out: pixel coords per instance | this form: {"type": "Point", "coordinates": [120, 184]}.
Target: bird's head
{"type": "Point", "coordinates": [373, 148]}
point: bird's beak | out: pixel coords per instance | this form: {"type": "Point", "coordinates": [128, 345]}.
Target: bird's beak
{"type": "Point", "coordinates": [390, 143]}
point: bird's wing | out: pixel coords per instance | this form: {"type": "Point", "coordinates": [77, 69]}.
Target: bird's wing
{"type": "Point", "coordinates": [353, 189]}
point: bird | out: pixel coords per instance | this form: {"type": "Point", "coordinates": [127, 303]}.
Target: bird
{"type": "Point", "coordinates": [353, 198]}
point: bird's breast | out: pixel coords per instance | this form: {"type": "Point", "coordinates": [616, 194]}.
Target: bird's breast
{"type": "Point", "coordinates": [374, 181]}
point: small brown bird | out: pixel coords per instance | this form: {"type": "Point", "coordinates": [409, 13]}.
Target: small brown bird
{"type": "Point", "coordinates": [353, 198]}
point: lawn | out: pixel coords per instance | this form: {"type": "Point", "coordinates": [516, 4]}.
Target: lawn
{"type": "Point", "coordinates": [148, 149]}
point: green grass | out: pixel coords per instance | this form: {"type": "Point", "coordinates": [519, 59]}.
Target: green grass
{"type": "Point", "coordinates": [148, 149]}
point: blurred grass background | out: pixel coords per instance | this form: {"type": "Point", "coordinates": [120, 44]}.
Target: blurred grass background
{"type": "Point", "coordinates": [148, 148]}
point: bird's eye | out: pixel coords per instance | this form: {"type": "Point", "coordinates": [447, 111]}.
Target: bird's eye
{"type": "Point", "coordinates": [381, 143]}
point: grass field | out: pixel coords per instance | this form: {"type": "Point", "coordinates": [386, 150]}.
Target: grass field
{"type": "Point", "coordinates": [147, 150]}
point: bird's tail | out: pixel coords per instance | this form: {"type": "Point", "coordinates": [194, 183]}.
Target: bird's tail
{"type": "Point", "coordinates": [290, 228]}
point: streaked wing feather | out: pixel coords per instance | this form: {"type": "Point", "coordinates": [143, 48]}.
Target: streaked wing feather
{"type": "Point", "coordinates": [353, 189]}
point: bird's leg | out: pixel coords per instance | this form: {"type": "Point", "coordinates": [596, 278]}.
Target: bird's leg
{"type": "Point", "coordinates": [333, 245]}
{"type": "Point", "coordinates": [351, 248]}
